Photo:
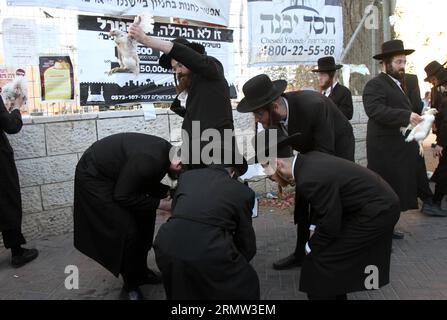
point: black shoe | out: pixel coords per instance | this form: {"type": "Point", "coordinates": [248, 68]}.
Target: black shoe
{"type": "Point", "coordinates": [434, 210]}
{"type": "Point", "coordinates": [27, 256]}
{"type": "Point", "coordinates": [398, 235]}
{"type": "Point", "coordinates": [152, 277]}
{"type": "Point", "coordinates": [287, 263]}
{"type": "Point", "coordinates": [131, 294]}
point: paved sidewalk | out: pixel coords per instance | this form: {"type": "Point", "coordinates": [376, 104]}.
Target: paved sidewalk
{"type": "Point", "coordinates": [418, 270]}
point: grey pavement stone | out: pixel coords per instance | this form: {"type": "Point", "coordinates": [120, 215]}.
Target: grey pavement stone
{"type": "Point", "coordinates": [418, 265]}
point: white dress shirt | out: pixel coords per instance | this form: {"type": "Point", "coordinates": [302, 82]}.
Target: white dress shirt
{"type": "Point", "coordinates": [182, 98]}
{"type": "Point", "coordinates": [286, 121]}
{"type": "Point", "coordinates": [396, 82]}
{"type": "Point", "coordinates": [328, 91]}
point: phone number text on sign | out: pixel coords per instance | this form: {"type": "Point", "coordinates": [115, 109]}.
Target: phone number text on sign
{"type": "Point", "coordinates": [271, 51]}
{"type": "Point", "coordinates": [130, 97]}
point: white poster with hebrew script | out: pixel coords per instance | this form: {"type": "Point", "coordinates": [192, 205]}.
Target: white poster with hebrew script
{"type": "Point", "coordinates": [210, 11]}
{"type": "Point", "coordinates": [294, 31]}
{"type": "Point", "coordinates": [98, 55]}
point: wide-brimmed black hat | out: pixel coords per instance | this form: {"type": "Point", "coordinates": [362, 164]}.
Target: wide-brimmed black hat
{"type": "Point", "coordinates": [260, 91]}
{"type": "Point", "coordinates": [165, 59]}
{"type": "Point", "coordinates": [266, 143]}
{"type": "Point", "coordinates": [393, 48]}
{"type": "Point", "coordinates": [432, 69]}
{"type": "Point", "coordinates": [327, 64]}
{"type": "Point", "coordinates": [441, 75]}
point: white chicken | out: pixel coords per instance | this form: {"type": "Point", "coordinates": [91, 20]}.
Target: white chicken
{"type": "Point", "coordinates": [127, 46]}
{"type": "Point", "coordinates": [18, 88]}
{"type": "Point", "coordinates": [422, 130]}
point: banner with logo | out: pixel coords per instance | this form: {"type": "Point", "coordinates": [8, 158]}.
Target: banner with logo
{"type": "Point", "coordinates": [294, 31]}
{"type": "Point", "coordinates": [210, 11]}
{"type": "Point", "coordinates": [98, 55]}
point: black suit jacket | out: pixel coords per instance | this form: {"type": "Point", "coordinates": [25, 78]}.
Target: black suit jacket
{"type": "Point", "coordinates": [135, 163]}
{"type": "Point", "coordinates": [336, 188]}
{"type": "Point", "coordinates": [411, 88]}
{"type": "Point", "coordinates": [355, 212]}
{"type": "Point", "coordinates": [441, 118]}
{"type": "Point", "coordinates": [322, 125]}
{"type": "Point", "coordinates": [204, 249]}
{"type": "Point", "coordinates": [116, 194]}
{"type": "Point", "coordinates": [210, 196]}
{"type": "Point", "coordinates": [342, 97]}
{"type": "Point", "coordinates": [323, 128]}
{"type": "Point", "coordinates": [395, 160]}
{"type": "Point", "coordinates": [10, 199]}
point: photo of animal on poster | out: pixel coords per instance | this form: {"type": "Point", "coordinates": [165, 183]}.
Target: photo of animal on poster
{"type": "Point", "coordinates": [13, 87]}
{"type": "Point", "coordinates": [114, 69]}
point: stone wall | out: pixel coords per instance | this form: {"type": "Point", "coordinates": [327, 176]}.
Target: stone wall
{"type": "Point", "coordinates": [47, 150]}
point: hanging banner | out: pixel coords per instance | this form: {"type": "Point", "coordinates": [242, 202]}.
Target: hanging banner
{"type": "Point", "coordinates": [56, 78]}
{"type": "Point", "coordinates": [210, 11]}
{"type": "Point", "coordinates": [98, 55]}
{"type": "Point", "coordinates": [294, 32]}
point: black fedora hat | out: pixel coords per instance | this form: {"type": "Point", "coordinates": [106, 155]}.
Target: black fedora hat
{"type": "Point", "coordinates": [392, 48]}
{"type": "Point", "coordinates": [327, 64]}
{"type": "Point", "coordinates": [271, 139]}
{"type": "Point", "coordinates": [432, 69]}
{"type": "Point", "coordinates": [260, 91]}
{"type": "Point", "coordinates": [165, 59]}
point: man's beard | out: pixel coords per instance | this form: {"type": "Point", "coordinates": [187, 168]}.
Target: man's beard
{"type": "Point", "coordinates": [396, 74]}
{"type": "Point", "coordinates": [183, 83]}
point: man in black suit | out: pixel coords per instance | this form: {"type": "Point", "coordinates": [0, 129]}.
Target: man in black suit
{"type": "Point", "coordinates": [389, 109]}
{"type": "Point", "coordinates": [117, 192]}
{"type": "Point", "coordinates": [10, 197]}
{"type": "Point", "coordinates": [330, 87]}
{"type": "Point", "coordinates": [433, 70]}
{"type": "Point", "coordinates": [354, 212]}
{"type": "Point", "coordinates": [437, 76]}
{"type": "Point", "coordinates": [204, 95]}
{"type": "Point", "coordinates": [205, 248]}
{"type": "Point", "coordinates": [323, 128]}
{"type": "Point", "coordinates": [411, 88]}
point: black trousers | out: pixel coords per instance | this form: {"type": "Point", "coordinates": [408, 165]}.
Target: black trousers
{"type": "Point", "coordinates": [424, 191]}
{"type": "Point", "coordinates": [302, 220]}
{"type": "Point", "coordinates": [138, 244]}
{"type": "Point", "coordinates": [13, 238]}
{"type": "Point", "coordinates": [440, 178]}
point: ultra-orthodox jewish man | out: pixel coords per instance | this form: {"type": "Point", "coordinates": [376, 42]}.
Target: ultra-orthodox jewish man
{"type": "Point", "coordinates": [205, 248]}
{"type": "Point", "coordinates": [354, 211]}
